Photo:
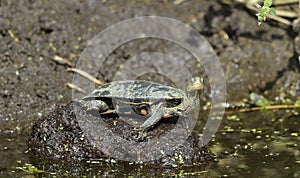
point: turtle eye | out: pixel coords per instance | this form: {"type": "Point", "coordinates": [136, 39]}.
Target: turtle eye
{"type": "Point", "coordinates": [198, 80]}
{"type": "Point", "coordinates": [202, 80]}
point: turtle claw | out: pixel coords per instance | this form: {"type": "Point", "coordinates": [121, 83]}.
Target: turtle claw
{"type": "Point", "coordinates": [141, 136]}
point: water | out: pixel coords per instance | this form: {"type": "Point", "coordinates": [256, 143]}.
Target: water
{"type": "Point", "coordinates": [259, 144]}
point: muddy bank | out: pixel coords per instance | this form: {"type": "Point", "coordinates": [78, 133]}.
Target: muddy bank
{"type": "Point", "coordinates": [254, 58]}
{"type": "Point", "coordinates": [70, 134]}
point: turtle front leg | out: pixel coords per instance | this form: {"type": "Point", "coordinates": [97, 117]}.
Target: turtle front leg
{"type": "Point", "coordinates": [171, 112]}
{"type": "Point", "coordinates": [158, 113]}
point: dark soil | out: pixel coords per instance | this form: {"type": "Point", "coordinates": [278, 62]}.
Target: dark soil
{"type": "Point", "coordinates": [255, 58]}
{"type": "Point", "coordinates": [61, 136]}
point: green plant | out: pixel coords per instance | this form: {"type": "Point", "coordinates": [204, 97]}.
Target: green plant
{"type": "Point", "coordinates": [264, 10]}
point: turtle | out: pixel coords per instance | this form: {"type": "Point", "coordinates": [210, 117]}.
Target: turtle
{"type": "Point", "coordinates": [145, 98]}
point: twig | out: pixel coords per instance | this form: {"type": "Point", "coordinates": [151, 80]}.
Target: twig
{"type": "Point", "coordinates": [62, 61]}
{"type": "Point", "coordinates": [177, 2]}
{"type": "Point", "coordinates": [275, 2]}
{"type": "Point", "coordinates": [288, 14]}
{"type": "Point", "coordinates": [86, 75]}
{"type": "Point", "coordinates": [73, 86]}
{"type": "Point", "coordinates": [280, 19]}
{"type": "Point", "coordinates": [268, 108]}
{"type": "Point", "coordinates": [13, 36]}
{"type": "Point", "coordinates": [284, 2]}
{"type": "Point", "coordinates": [299, 9]}
{"type": "Point", "coordinates": [248, 1]}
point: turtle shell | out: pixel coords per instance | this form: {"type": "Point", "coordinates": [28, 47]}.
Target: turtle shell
{"type": "Point", "coordinates": [137, 91]}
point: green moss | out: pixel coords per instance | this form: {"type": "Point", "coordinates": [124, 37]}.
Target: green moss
{"type": "Point", "coordinates": [233, 118]}
{"type": "Point", "coordinates": [297, 103]}
{"type": "Point", "coordinates": [29, 168]}
{"type": "Point", "coordinates": [259, 100]}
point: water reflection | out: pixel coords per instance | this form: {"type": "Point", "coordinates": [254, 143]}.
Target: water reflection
{"type": "Point", "coordinates": [264, 143]}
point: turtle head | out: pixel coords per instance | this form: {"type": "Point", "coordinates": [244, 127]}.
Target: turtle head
{"type": "Point", "coordinates": [191, 97]}
{"type": "Point", "coordinates": [195, 85]}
